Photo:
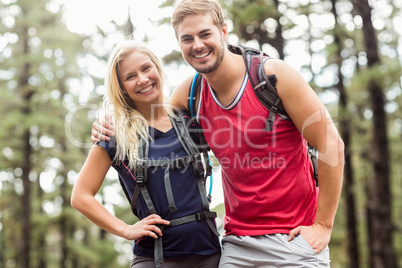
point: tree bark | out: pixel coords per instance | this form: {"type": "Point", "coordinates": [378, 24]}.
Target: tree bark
{"type": "Point", "coordinates": [345, 129]}
{"type": "Point", "coordinates": [26, 164]}
{"type": "Point", "coordinates": [382, 249]}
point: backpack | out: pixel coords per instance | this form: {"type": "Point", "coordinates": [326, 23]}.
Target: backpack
{"type": "Point", "coordinates": [196, 157]}
{"type": "Point", "coordinates": [265, 89]}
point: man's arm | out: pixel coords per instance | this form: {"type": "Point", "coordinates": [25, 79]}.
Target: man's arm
{"type": "Point", "coordinates": [102, 129]}
{"type": "Point", "coordinates": [312, 119]}
{"type": "Point", "coordinates": [178, 99]}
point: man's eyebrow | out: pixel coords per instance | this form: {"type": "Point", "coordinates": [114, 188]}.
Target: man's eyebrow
{"type": "Point", "coordinates": [204, 31]}
{"type": "Point", "coordinates": [200, 33]}
{"type": "Point", "coordinates": [185, 36]}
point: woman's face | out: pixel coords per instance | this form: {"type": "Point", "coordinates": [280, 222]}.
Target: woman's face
{"type": "Point", "coordinates": [140, 78]}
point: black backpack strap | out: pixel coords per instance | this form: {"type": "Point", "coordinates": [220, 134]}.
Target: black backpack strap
{"type": "Point", "coordinates": [313, 154]}
{"type": "Point", "coordinates": [191, 149]}
{"type": "Point", "coordinates": [141, 177]}
{"type": "Point", "coordinates": [263, 85]}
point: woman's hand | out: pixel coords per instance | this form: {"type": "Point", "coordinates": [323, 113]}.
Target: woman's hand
{"type": "Point", "coordinates": [145, 227]}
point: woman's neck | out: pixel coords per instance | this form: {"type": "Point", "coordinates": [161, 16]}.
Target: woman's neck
{"type": "Point", "coordinates": [160, 120]}
{"type": "Point", "coordinates": [157, 117]}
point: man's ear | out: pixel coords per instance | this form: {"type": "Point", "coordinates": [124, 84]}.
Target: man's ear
{"type": "Point", "coordinates": [225, 32]}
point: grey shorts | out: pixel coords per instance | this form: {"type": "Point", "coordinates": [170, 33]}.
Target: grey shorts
{"type": "Point", "coordinates": [269, 251]}
{"type": "Point", "coordinates": [194, 261]}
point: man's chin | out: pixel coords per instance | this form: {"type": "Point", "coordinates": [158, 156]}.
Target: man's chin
{"type": "Point", "coordinates": [205, 69]}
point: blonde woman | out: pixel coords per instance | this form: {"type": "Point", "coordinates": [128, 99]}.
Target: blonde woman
{"type": "Point", "coordinates": [158, 168]}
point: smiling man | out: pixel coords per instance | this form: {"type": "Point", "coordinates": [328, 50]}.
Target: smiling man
{"type": "Point", "coordinates": [275, 216]}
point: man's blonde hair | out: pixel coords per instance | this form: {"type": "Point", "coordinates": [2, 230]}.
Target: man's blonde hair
{"type": "Point", "coordinates": [129, 124]}
{"type": "Point", "coordinates": [197, 7]}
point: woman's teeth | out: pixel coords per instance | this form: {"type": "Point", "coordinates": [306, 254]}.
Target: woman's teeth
{"type": "Point", "coordinates": [145, 90]}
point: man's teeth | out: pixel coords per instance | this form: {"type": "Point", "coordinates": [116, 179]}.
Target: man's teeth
{"type": "Point", "coordinates": [202, 55]}
{"type": "Point", "coordinates": [145, 90]}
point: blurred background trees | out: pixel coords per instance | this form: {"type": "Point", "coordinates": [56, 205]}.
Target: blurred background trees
{"type": "Point", "coordinates": [51, 86]}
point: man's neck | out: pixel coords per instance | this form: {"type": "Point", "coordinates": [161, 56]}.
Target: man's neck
{"type": "Point", "coordinates": [227, 79]}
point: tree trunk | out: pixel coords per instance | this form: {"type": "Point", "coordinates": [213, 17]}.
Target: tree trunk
{"type": "Point", "coordinates": [381, 239]}
{"type": "Point", "coordinates": [66, 226]}
{"type": "Point", "coordinates": [279, 42]}
{"type": "Point", "coordinates": [26, 164]}
{"type": "Point", "coordinates": [42, 253]}
{"type": "Point", "coordinates": [345, 129]}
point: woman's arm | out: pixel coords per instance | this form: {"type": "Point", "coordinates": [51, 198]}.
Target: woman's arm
{"type": "Point", "coordinates": [83, 199]}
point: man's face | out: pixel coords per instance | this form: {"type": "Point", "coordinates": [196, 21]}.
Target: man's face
{"type": "Point", "coordinates": [201, 42]}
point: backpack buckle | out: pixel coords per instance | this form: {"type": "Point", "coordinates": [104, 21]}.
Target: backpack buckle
{"type": "Point", "coordinates": [139, 176]}
{"type": "Point", "coordinates": [200, 216]}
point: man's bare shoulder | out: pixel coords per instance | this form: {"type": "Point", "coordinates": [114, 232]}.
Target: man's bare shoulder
{"type": "Point", "coordinates": [178, 98]}
{"type": "Point", "coordinates": [275, 66]}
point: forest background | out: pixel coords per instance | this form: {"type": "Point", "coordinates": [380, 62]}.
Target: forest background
{"type": "Point", "coordinates": [51, 86]}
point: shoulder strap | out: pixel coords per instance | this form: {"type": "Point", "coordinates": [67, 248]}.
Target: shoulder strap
{"type": "Point", "coordinates": [193, 92]}
{"type": "Point", "coordinates": [313, 154]}
{"type": "Point", "coordinates": [191, 149]}
{"type": "Point", "coordinates": [201, 174]}
{"type": "Point", "coordinates": [141, 177]}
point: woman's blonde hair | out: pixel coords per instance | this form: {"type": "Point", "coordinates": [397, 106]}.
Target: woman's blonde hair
{"type": "Point", "coordinates": [129, 124]}
{"type": "Point", "coordinates": [197, 7]}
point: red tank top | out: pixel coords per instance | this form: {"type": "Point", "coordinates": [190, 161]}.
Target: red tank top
{"type": "Point", "coordinates": [267, 176]}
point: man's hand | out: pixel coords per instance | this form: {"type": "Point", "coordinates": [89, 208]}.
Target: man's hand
{"type": "Point", "coordinates": [316, 235]}
{"type": "Point", "coordinates": [102, 129]}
